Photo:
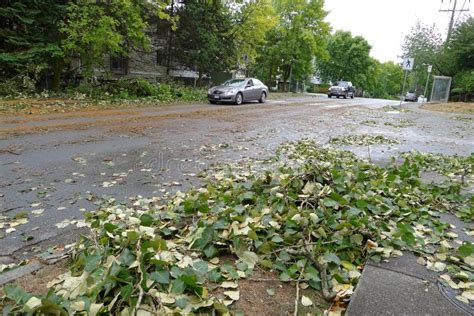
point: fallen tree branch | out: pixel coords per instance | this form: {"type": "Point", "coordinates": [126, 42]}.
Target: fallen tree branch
{"type": "Point", "coordinates": [328, 293]}
{"type": "Point", "coordinates": [297, 299]}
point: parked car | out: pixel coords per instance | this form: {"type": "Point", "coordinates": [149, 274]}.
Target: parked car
{"type": "Point", "coordinates": [343, 89]}
{"type": "Point", "coordinates": [238, 91]}
{"type": "Point", "coordinates": [411, 96]}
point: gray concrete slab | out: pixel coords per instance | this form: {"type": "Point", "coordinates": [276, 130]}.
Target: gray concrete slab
{"type": "Point", "coordinates": [384, 292]}
{"type": "Point", "coordinates": [16, 273]}
{"type": "Point", "coordinates": [407, 264]}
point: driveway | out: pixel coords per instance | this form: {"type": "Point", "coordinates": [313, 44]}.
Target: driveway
{"type": "Point", "coordinates": [55, 167]}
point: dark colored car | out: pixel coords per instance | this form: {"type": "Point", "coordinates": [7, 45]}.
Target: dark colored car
{"type": "Point", "coordinates": [411, 96]}
{"type": "Point", "coordinates": [238, 91]}
{"type": "Point", "coordinates": [343, 89]}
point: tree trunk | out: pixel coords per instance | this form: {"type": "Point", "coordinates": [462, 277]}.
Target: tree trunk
{"type": "Point", "coordinates": [199, 78]}
{"type": "Point", "coordinates": [57, 68]}
{"type": "Point", "coordinates": [270, 75]}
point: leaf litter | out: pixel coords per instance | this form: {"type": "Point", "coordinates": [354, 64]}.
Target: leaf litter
{"type": "Point", "coordinates": [313, 215]}
{"type": "Point", "coordinates": [363, 140]}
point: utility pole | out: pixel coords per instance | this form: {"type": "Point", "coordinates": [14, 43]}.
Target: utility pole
{"type": "Point", "coordinates": [453, 13]}
{"type": "Point", "coordinates": [170, 41]}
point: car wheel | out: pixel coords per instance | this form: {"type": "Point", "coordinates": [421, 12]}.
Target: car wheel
{"type": "Point", "coordinates": [263, 97]}
{"type": "Point", "coordinates": [345, 96]}
{"type": "Point", "coordinates": [329, 96]}
{"type": "Point", "coordinates": [352, 95]}
{"type": "Point", "coordinates": [238, 99]}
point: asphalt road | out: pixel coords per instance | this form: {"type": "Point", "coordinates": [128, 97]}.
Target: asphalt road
{"type": "Point", "coordinates": [55, 167]}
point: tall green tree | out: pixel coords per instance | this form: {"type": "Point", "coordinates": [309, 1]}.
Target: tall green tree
{"type": "Point", "coordinates": [454, 59]}
{"type": "Point", "coordinates": [388, 82]}
{"type": "Point", "coordinates": [203, 37]}
{"type": "Point", "coordinates": [93, 29]}
{"type": "Point", "coordinates": [425, 44]}
{"type": "Point", "coordinates": [349, 59]}
{"type": "Point", "coordinates": [298, 38]}
{"type": "Point", "coordinates": [462, 45]}
{"type": "Point", "coordinates": [461, 49]}
{"type": "Point", "coordinates": [251, 23]}
{"type": "Point", "coordinates": [29, 37]}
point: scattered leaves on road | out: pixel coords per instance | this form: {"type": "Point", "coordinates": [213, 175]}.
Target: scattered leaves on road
{"type": "Point", "coordinates": [314, 215]}
{"type": "Point", "coordinates": [363, 140]}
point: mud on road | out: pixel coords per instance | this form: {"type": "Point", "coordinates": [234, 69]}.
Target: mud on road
{"type": "Point", "coordinates": [54, 167]}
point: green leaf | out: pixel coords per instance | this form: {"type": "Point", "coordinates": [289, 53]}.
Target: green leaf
{"type": "Point", "coordinates": [110, 227]}
{"type": "Point", "coordinates": [202, 237]}
{"type": "Point", "coordinates": [126, 291]}
{"type": "Point", "coordinates": [178, 286]}
{"type": "Point", "coordinates": [146, 220]}
{"type": "Point", "coordinates": [331, 257]}
{"type": "Point", "coordinates": [127, 257]}
{"type": "Point", "coordinates": [357, 239]}
{"type": "Point", "coordinates": [162, 276]}
{"type": "Point", "coordinates": [92, 261]}
{"type": "Point", "coordinates": [312, 273]}
{"type": "Point", "coordinates": [250, 258]}
{"type": "Point", "coordinates": [214, 275]}
{"type": "Point", "coordinates": [211, 251]}
{"type": "Point", "coordinates": [284, 276]}
{"type": "Point", "coordinates": [466, 249]}
{"type": "Point", "coordinates": [271, 291]}
{"type": "Point", "coordinates": [229, 268]}
{"type": "Point", "coordinates": [200, 267]}
{"type": "Point", "coordinates": [330, 203]}
{"type": "Point", "coordinates": [16, 294]}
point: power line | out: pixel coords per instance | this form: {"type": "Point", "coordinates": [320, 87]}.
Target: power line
{"type": "Point", "coordinates": [460, 12]}
{"type": "Point", "coordinates": [453, 13]}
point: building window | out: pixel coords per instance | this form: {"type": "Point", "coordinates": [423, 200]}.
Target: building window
{"type": "Point", "coordinates": [119, 64]}
{"type": "Point", "coordinates": [161, 57]}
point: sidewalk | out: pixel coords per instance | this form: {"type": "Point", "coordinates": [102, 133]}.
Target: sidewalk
{"type": "Point", "coordinates": [404, 287]}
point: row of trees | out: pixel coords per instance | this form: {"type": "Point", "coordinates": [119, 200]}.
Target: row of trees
{"type": "Point", "coordinates": [269, 38]}
{"type": "Point", "coordinates": [286, 40]}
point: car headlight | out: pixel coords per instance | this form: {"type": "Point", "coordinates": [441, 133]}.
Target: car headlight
{"type": "Point", "coordinates": [232, 91]}
{"type": "Point", "coordinates": [343, 89]}
{"type": "Point", "coordinates": [209, 91]}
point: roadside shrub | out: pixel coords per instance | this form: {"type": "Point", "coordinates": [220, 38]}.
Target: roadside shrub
{"type": "Point", "coordinates": [22, 84]}
{"type": "Point", "coordinates": [463, 86]}
{"type": "Point", "coordinates": [322, 88]}
{"type": "Point", "coordinates": [111, 90]}
{"type": "Point", "coordinates": [138, 87]}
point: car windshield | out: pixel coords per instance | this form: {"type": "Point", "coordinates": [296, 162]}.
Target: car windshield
{"type": "Point", "coordinates": [234, 83]}
{"type": "Point", "coordinates": [342, 84]}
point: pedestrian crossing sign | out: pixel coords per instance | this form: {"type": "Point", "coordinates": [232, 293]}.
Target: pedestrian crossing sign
{"type": "Point", "coordinates": [408, 63]}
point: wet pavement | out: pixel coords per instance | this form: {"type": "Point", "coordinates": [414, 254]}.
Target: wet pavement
{"type": "Point", "coordinates": [55, 167]}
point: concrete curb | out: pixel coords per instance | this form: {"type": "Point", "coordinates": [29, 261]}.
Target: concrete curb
{"type": "Point", "coordinates": [16, 273]}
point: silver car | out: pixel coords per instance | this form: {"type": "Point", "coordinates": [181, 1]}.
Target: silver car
{"type": "Point", "coordinates": [411, 96]}
{"type": "Point", "coordinates": [238, 91]}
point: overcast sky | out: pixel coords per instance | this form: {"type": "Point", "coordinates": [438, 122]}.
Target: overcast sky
{"type": "Point", "coordinates": [384, 23]}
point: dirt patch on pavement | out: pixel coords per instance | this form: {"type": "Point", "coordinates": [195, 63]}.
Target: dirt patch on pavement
{"type": "Point", "coordinates": [265, 294]}
{"type": "Point", "coordinates": [30, 106]}
{"type": "Point", "coordinates": [125, 118]}
{"type": "Point", "coordinates": [452, 107]}
{"type": "Point", "coordinates": [262, 294]}
{"type": "Point", "coordinates": [36, 282]}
